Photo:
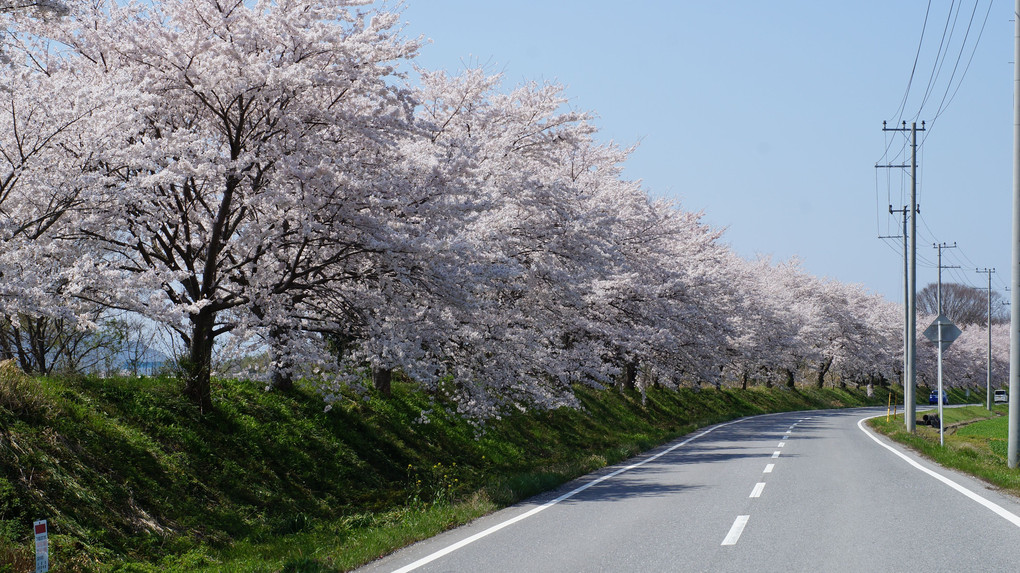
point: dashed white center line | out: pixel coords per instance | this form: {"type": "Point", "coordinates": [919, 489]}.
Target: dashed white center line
{"type": "Point", "coordinates": [786, 437]}
{"type": "Point", "coordinates": [781, 445]}
{"type": "Point", "coordinates": [736, 530]}
{"type": "Point", "coordinates": [775, 454]}
{"type": "Point", "coordinates": [758, 488]}
{"type": "Point", "coordinates": [768, 468]}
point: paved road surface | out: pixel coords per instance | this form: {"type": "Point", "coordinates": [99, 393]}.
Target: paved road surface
{"type": "Point", "coordinates": [803, 491]}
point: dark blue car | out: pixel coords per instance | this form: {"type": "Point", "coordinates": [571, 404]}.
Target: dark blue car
{"type": "Point", "coordinates": [933, 398]}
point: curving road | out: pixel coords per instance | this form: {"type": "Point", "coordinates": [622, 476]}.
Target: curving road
{"type": "Point", "coordinates": [801, 491]}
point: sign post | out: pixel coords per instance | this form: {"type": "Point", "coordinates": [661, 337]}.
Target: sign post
{"type": "Point", "coordinates": [942, 332]}
{"type": "Point", "coordinates": [42, 547]}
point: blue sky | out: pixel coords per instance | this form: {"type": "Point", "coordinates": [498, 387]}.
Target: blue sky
{"type": "Point", "coordinates": [768, 116]}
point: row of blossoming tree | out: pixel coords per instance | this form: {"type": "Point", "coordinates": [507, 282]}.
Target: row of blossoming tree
{"type": "Point", "coordinates": [278, 178]}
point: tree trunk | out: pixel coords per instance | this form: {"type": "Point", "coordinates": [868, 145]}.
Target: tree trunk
{"type": "Point", "coordinates": [743, 381]}
{"type": "Point", "coordinates": [789, 378]}
{"type": "Point", "coordinates": [822, 371]}
{"type": "Point", "coordinates": [382, 379]}
{"type": "Point", "coordinates": [6, 350]}
{"type": "Point", "coordinates": [630, 375]}
{"type": "Point", "coordinates": [282, 377]}
{"type": "Point", "coordinates": [24, 358]}
{"type": "Point", "coordinates": [198, 362]}
{"type": "Point", "coordinates": [627, 377]}
{"type": "Point", "coordinates": [37, 343]}
{"type": "Point", "coordinates": [282, 381]}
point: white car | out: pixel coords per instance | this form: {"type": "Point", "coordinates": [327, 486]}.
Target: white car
{"type": "Point", "coordinates": [1000, 397]}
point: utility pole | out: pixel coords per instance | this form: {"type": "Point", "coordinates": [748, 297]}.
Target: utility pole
{"type": "Point", "coordinates": [988, 368]}
{"type": "Point", "coordinates": [1014, 321]}
{"type": "Point", "coordinates": [909, 401]}
{"type": "Point", "coordinates": [906, 292]}
{"type": "Point", "coordinates": [941, 246]}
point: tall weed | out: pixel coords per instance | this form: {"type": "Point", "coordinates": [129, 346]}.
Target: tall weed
{"type": "Point", "coordinates": [18, 392]}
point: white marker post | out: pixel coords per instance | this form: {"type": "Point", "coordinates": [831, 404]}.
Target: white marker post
{"type": "Point", "coordinates": [942, 434]}
{"type": "Point", "coordinates": [42, 547]}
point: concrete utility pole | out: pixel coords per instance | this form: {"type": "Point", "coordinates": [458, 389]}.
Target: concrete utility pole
{"type": "Point", "coordinates": [906, 287]}
{"type": "Point", "coordinates": [1014, 321]}
{"type": "Point", "coordinates": [941, 246]}
{"type": "Point", "coordinates": [909, 401]}
{"type": "Point", "coordinates": [988, 367]}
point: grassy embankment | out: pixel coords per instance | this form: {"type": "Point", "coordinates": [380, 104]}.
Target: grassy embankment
{"type": "Point", "coordinates": [975, 442]}
{"type": "Point", "coordinates": [132, 478]}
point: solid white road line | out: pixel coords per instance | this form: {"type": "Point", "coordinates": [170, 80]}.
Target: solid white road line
{"type": "Point", "coordinates": [996, 508]}
{"type": "Point", "coordinates": [768, 468]}
{"type": "Point", "coordinates": [736, 530]}
{"type": "Point", "coordinates": [775, 455]}
{"type": "Point", "coordinates": [758, 488]}
{"type": "Point", "coordinates": [469, 540]}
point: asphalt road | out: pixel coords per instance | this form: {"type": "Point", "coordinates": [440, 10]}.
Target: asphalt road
{"type": "Point", "coordinates": [803, 491]}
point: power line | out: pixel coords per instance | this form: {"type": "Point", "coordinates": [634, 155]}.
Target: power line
{"type": "Point", "coordinates": [965, 259]}
{"type": "Point", "coordinates": [910, 80]}
{"type": "Point", "coordinates": [940, 56]}
{"type": "Point", "coordinates": [943, 54]}
{"type": "Point", "coordinates": [944, 104]}
{"type": "Point", "coordinates": [960, 277]}
{"type": "Point", "coordinates": [927, 228]}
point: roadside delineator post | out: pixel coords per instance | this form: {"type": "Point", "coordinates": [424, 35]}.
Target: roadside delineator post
{"type": "Point", "coordinates": [42, 547]}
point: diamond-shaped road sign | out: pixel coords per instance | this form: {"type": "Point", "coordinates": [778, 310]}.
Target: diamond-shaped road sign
{"type": "Point", "coordinates": [950, 331]}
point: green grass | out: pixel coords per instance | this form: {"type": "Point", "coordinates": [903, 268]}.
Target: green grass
{"type": "Point", "coordinates": [959, 415]}
{"type": "Point", "coordinates": [132, 478]}
{"type": "Point", "coordinates": [996, 428]}
{"type": "Point", "coordinates": [975, 442]}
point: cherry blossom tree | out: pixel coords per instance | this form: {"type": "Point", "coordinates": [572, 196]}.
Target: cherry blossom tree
{"type": "Point", "coordinates": [772, 320]}
{"type": "Point", "coordinates": [250, 124]}
{"type": "Point", "coordinates": [50, 128]}
{"type": "Point", "coordinates": [674, 311]}
{"type": "Point", "coordinates": [791, 324]}
{"type": "Point", "coordinates": [867, 347]}
{"type": "Point", "coordinates": [44, 165]}
{"type": "Point", "coordinates": [965, 362]}
{"type": "Point", "coordinates": [515, 335]}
